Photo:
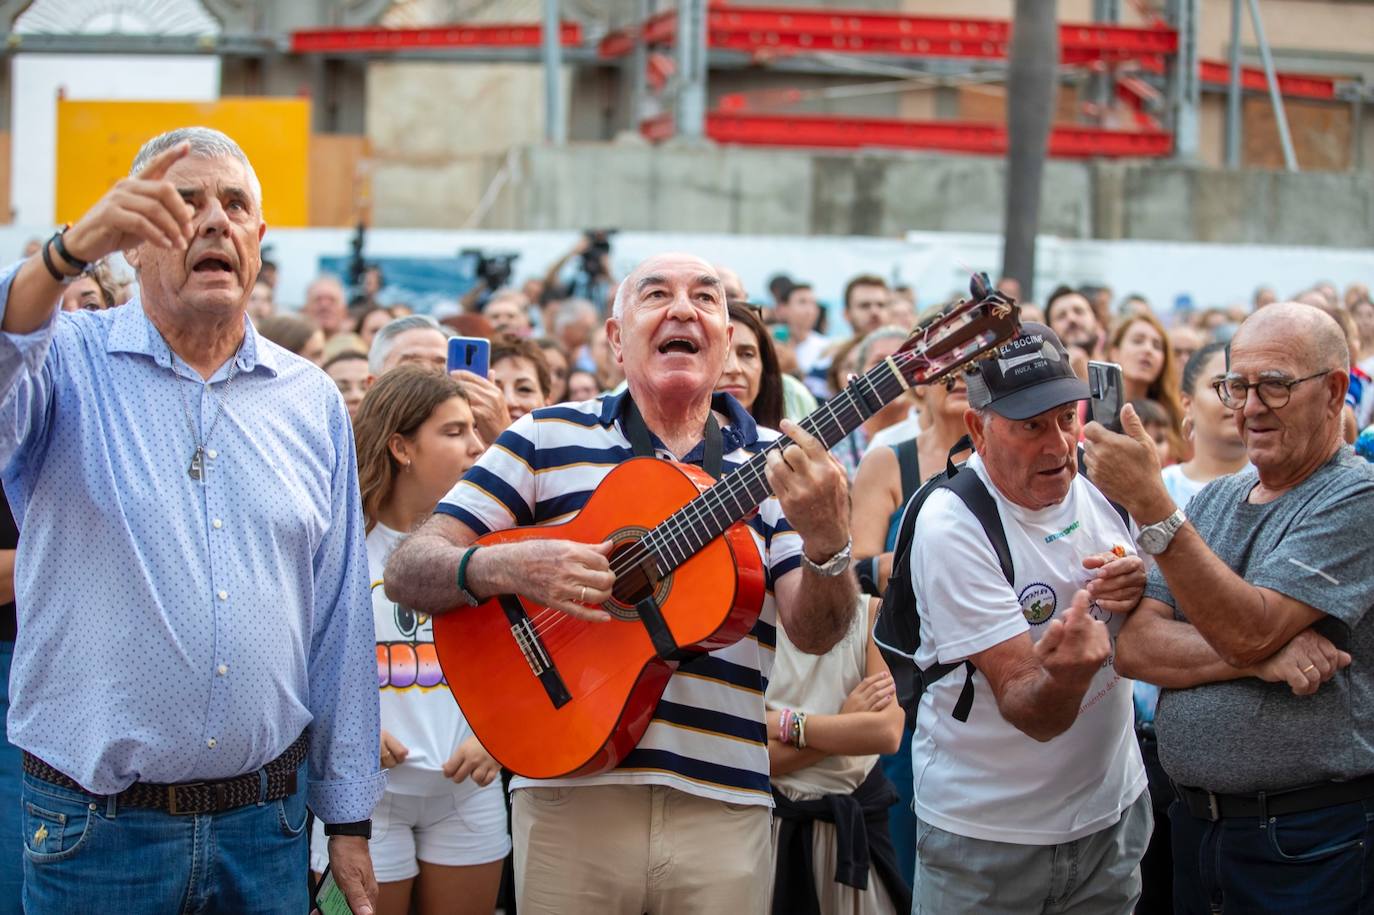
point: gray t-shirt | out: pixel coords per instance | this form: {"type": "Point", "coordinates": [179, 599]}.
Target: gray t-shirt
{"type": "Point", "coordinates": [1311, 544]}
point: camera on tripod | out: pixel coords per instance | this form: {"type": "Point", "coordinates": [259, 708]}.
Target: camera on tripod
{"type": "Point", "coordinates": [492, 269]}
{"type": "Point", "coordinates": [598, 250]}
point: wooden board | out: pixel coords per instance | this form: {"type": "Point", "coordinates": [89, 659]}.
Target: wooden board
{"type": "Point", "coordinates": [988, 102]}
{"type": "Point", "coordinates": [340, 180]}
{"type": "Point", "coordinates": [1320, 131]}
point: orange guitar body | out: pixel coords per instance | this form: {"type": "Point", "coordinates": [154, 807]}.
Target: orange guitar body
{"type": "Point", "coordinates": [612, 673]}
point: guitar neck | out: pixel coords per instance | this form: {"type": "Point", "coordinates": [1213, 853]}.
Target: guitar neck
{"type": "Point", "coordinates": [682, 534]}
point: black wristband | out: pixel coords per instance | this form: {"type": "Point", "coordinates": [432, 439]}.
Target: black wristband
{"type": "Point", "coordinates": [52, 268]}
{"type": "Point", "coordinates": [362, 828]}
{"type": "Point", "coordinates": [76, 264]}
{"type": "Point", "coordinates": [867, 572]}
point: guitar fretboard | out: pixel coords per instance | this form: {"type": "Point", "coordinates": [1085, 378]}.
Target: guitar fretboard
{"type": "Point", "coordinates": [683, 533]}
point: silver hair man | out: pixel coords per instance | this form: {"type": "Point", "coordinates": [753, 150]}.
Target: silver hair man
{"type": "Point", "coordinates": [386, 337]}
{"type": "Point", "coordinates": [207, 143]}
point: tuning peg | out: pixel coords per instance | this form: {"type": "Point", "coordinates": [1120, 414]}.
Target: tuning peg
{"type": "Point", "coordinates": [980, 286]}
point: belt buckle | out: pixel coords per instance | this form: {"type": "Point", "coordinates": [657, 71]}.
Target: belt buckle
{"type": "Point", "coordinates": [1213, 808]}
{"type": "Point", "coordinates": [172, 807]}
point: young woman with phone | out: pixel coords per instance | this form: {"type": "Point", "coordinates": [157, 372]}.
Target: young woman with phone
{"type": "Point", "coordinates": [1140, 345]}
{"type": "Point", "coordinates": [439, 833]}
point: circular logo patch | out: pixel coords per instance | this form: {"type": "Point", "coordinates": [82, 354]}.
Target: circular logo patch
{"type": "Point", "coordinates": [1038, 603]}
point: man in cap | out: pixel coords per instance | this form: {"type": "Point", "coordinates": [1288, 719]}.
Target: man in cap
{"type": "Point", "coordinates": [1033, 797]}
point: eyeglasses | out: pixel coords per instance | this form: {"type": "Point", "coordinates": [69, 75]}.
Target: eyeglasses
{"type": "Point", "coordinates": [1233, 391]}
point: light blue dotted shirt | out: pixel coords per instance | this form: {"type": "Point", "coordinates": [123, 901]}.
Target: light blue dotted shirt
{"type": "Point", "coordinates": [171, 630]}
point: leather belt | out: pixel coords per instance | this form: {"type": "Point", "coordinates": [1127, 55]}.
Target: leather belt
{"type": "Point", "coordinates": [1206, 805]}
{"type": "Point", "coordinates": [186, 798]}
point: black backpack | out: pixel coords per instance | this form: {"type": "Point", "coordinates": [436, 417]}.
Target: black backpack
{"type": "Point", "coordinates": [897, 632]}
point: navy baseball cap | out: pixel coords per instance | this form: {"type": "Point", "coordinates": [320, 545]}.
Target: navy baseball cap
{"type": "Point", "coordinates": [1027, 376]}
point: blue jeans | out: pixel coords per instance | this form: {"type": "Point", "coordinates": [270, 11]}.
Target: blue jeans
{"type": "Point", "coordinates": [901, 817]}
{"type": "Point", "coordinates": [1318, 861]}
{"type": "Point", "coordinates": [83, 853]}
{"type": "Point", "coordinates": [11, 766]}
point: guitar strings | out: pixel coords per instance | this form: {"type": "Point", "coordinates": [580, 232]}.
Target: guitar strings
{"type": "Point", "coordinates": [686, 518]}
{"type": "Point", "coordinates": [690, 515]}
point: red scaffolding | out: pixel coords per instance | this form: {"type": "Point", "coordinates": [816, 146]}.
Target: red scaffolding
{"type": "Point", "coordinates": [840, 132]}
{"type": "Point", "coordinates": [770, 32]}
{"type": "Point", "coordinates": [449, 37]}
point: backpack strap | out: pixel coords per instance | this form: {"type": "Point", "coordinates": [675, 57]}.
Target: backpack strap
{"type": "Point", "coordinates": [970, 489]}
{"type": "Point", "coordinates": [973, 493]}
{"type": "Point", "coordinates": [909, 464]}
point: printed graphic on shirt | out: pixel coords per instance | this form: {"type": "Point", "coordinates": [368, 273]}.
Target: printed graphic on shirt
{"type": "Point", "coordinates": [411, 662]}
{"type": "Point", "coordinates": [1064, 533]}
{"type": "Point", "coordinates": [1038, 602]}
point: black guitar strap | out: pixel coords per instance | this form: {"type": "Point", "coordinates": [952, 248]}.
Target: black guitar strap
{"type": "Point", "coordinates": [713, 462]}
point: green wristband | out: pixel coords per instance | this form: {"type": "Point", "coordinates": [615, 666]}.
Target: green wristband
{"type": "Point", "coordinates": [463, 588]}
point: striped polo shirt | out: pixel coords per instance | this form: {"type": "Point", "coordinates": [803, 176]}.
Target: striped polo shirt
{"type": "Point", "coordinates": [707, 736]}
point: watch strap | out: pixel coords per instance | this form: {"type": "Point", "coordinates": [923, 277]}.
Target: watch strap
{"type": "Point", "coordinates": [76, 263]}
{"type": "Point", "coordinates": [1161, 531]}
{"type": "Point", "coordinates": [361, 828]}
{"type": "Point", "coordinates": [834, 565]}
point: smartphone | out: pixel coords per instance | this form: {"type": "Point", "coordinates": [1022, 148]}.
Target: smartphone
{"type": "Point", "coordinates": [1105, 387]}
{"type": "Point", "coordinates": [470, 353]}
{"type": "Point", "coordinates": [329, 899]}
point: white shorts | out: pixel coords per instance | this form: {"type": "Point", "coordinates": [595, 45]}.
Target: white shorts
{"type": "Point", "coordinates": [449, 830]}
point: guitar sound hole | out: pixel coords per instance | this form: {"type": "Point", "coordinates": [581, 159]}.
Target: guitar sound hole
{"type": "Point", "coordinates": [634, 582]}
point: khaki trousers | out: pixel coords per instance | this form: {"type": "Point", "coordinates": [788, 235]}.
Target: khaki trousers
{"type": "Point", "coordinates": [634, 849]}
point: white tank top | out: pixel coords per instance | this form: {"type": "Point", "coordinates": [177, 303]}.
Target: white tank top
{"type": "Point", "coordinates": [818, 685]}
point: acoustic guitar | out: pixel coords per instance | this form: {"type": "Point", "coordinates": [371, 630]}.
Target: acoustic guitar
{"type": "Point", "coordinates": [552, 696]}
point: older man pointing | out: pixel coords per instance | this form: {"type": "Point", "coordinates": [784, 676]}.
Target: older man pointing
{"type": "Point", "coordinates": [195, 659]}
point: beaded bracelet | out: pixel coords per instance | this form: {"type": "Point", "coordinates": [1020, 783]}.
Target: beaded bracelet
{"type": "Point", "coordinates": [785, 726]}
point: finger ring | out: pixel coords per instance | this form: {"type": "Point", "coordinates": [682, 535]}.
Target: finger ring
{"type": "Point", "coordinates": [1307, 668]}
{"type": "Point", "coordinates": [582, 595]}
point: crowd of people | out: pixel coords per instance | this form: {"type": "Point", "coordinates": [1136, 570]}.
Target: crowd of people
{"type": "Point", "coordinates": [1133, 673]}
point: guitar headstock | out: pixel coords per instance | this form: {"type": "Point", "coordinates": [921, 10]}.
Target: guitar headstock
{"type": "Point", "coordinates": [960, 334]}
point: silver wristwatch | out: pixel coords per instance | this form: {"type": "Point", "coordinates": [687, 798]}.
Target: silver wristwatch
{"type": "Point", "coordinates": [832, 566]}
{"type": "Point", "coordinates": [1155, 538]}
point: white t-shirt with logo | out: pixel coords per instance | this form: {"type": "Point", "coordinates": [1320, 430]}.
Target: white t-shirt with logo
{"type": "Point", "coordinates": [417, 707]}
{"type": "Point", "coordinates": [982, 777]}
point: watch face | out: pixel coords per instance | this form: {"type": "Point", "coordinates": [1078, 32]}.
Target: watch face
{"type": "Point", "coordinates": [1155, 538]}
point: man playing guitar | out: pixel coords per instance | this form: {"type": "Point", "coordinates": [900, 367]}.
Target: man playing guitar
{"type": "Point", "coordinates": [682, 823]}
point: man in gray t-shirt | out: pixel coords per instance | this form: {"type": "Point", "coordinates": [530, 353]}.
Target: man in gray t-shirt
{"type": "Point", "coordinates": [1250, 621]}
{"type": "Point", "coordinates": [1311, 544]}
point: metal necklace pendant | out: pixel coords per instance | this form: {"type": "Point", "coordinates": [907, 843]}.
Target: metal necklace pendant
{"type": "Point", "coordinates": [199, 468]}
